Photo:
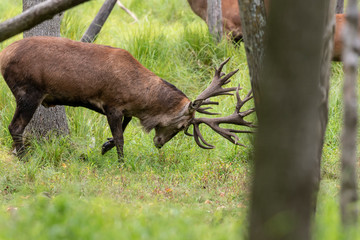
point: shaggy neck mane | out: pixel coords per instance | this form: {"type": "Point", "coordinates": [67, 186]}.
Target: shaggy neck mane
{"type": "Point", "coordinates": [169, 99]}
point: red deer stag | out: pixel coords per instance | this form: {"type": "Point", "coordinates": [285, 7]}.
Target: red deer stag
{"type": "Point", "coordinates": [230, 14]}
{"type": "Point", "coordinates": [57, 71]}
{"type": "Point", "coordinates": [232, 22]}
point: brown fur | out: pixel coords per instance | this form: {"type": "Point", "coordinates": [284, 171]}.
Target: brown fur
{"type": "Point", "coordinates": [232, 22]}
{"type": "Point", "coordinates": [58, 71]}
{"type": "Point", "coordinates": [230, 13]}
{"type": "Point", "coordinates": [338, 43]}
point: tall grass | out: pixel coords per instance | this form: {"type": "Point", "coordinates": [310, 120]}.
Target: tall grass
{"type": "Point", "coordinates": [68, 190]}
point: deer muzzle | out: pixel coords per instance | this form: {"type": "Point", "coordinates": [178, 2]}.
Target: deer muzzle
{"type": "Point", "coordinates": [158, 142]}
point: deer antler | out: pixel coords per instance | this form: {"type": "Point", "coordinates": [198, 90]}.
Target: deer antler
{"type": "Point", "coordinates": [214, 89]}
{"type": "Point", "coordinates": [237, 118]}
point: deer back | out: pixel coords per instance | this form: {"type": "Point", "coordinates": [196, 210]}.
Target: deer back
{"type": "Point", "coordinates": [98, 77]}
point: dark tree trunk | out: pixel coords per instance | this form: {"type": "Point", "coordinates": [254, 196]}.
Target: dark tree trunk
{"type": "Point", "coordinates": [48, 28]}
{"type": "Point", "coordinates": [339, 6]}
{"type": "Point", "coordinates": [253, 18]}
{"type": "Point", "coordinates": [46, 120]}
{"type": "Point", "coordinates": [98, 22]}
{"type": "Point", "coordinates": [214, 19]}
{"type": "Point", "coordinates": [292, 114]}
{"type": "Point", "coordinates": [349, 195]}
{"type": "Point", "coordinates": [324, 84]}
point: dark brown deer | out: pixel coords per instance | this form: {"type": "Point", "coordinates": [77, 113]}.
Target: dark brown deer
{"type": "Point", "coordinates": [57, 71]}
{"type": "Point", "coordinates": [230, 14]}
{"type": "Point", "coordinates": [232, 22]}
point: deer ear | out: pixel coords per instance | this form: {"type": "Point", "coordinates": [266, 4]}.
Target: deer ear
{"type": "Point", "coordinates": [193, 106]}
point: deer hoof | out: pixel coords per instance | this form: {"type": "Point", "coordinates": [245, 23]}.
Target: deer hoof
{"type": "Point", "coordinates": [107, 146]}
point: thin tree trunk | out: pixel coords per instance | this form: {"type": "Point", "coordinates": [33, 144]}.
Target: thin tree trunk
{"type": "Point", "coordinates": [339, 6]}
{"type": "Point", "coordinates": [98, 22]}
{"type": "Point", "coordinates": [349, 195]}
{"type": "Point", "coordinates": [46, 120]}
{"type": "Point", "coordinates": [30, 18]}
{"type": "Point", "coordinates": [253, 18]}
{"type": "Point", "coordinates": [324, 84]}
{"type": "Point", "coordinates": [214, 19]}
{"type": "Point", "coordinates": [291, 121]}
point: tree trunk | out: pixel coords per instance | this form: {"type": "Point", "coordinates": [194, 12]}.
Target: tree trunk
{"type": "Point", "coordinates": [46, 120]}
{"type": "Point", "coordinates": [339, 6]}
{"type": "Point", "coordinates": [214, 19]}
{"type": "Point", "coordinates": [98, 22]}
{"type": "Point", "coordinates": [324, 84]}
{"type": "Point", "coordinates": [34, 16]}
{"type": "Point", "coordinates": [291, 113]}
{"type": "Point", "coordinates": [348, 194]}
{"type": "Point", "coordinates": [253, 18]}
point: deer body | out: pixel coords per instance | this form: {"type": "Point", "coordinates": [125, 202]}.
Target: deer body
{"type": "Point", "coordinates": [232, 22]}
{"type": "Point", "coordinates": [230, 14]}
{"type": "Point", "coordinates": [57, 71]}
{"type": "Point", "coordinates": [78, 74]}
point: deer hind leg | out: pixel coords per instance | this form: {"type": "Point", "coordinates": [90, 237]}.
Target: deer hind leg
{"type": "Point", "coordinates": [115, 122]}
{"type": "Point", "coordinates": [107, 146]}
{"type": "Point", "coordinates": [26, 106]}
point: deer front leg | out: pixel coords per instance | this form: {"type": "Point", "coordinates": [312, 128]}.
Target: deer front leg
{"type": "Point", "coordinates": [107, 146]}
{"type": "Point", "coordinates": [115, 122]}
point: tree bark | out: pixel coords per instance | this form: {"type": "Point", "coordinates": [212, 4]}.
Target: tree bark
{"type": "Point", "coordinates": [46, 120]}
{"type": "Point", "coordinates": [31, 17]}
{"type": "Point", "coordinates": [339, 6]}
{"type": "Point", "coordinates": [291, 113]}
{"type": "Point", "coordinates": [253, 18]}
{"type": "Point", "coordinates": [348, 194]}
{"type": "Point", "coordinates": [214, 19]}
{"type": "Point", "coordinates": [98, 22]}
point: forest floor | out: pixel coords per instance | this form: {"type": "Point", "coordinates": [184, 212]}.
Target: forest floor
{"type": "Point", "coordinates": [67, 190]}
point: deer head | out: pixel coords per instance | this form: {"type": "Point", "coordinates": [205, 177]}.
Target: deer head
{"type": "Point", "coordinates": [183, 120]}
{"type": "Point", "coordinates": [176, 122]}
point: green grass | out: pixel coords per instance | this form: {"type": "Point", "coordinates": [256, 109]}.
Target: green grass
{"type": "Point", "coordinates": [68, 190]}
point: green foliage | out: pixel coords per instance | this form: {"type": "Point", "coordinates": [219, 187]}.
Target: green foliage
{"type": "Point", "coordinates": [64, 217]}
{"type": "Point", "coordinates": [67, 190]}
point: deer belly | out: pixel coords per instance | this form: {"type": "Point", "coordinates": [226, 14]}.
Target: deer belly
{"type": "Point", "coordinates": [91, 103]}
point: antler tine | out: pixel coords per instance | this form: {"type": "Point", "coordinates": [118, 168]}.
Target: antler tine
{"type": "Point", "coordinates": [240, 102]}
{"type": "Point", "coordinates": [247, 112]}
{"type": "Point", "coordinates": [203, 111]}
{"type": "Point", "coordinates": [197, 135]}
{"type": "Point", "coordinates": [240, 131]}
{"type": "Point", "coordinates": [186, 131]}
{"type": "Point", "coordinates": [208, 102]}
{"type": "Point", "coordinates": [218, 71]}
